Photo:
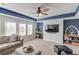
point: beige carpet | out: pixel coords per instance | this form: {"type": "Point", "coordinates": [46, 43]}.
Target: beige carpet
{"type": "Point", "coordinates": [46, 47]}
{"type": "Point", "coordinates": [74, 48]}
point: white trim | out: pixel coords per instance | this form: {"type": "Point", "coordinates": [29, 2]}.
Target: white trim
{"type": "Point", "coordinates": [16, 17]}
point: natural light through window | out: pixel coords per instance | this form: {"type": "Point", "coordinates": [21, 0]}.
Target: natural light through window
{"type": "Point", "coordinates": [10, 28]}
{"type": "Point", "coordinates": [22, 29]}
{"type": "Point", "coordinates": [29, 29]}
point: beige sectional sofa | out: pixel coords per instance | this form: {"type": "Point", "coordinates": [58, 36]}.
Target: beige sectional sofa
{"type": "Point", "coordinates": [9, 43]}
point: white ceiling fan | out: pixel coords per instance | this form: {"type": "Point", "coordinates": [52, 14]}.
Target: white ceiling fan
{"type": "Point", "coordinates": [41, 10]}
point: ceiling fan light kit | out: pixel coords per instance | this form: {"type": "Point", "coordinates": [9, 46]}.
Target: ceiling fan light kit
{"type": "Point", "coordinates": [38, 14]}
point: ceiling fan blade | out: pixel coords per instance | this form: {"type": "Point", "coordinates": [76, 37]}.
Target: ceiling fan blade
{"type": "Point", "coordinates": [44, 13]}
{"type": "Point", "coordinates": [43, 5]}
{"type": "Point", "coordinates": [45, 9]}
{"type": "Point", "coordinates": [32, 13]}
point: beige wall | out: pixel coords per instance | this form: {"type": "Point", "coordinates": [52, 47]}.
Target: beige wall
{"type": "Point", "coordinates": [4, 18]}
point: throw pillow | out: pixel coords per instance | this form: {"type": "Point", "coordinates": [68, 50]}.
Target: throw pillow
{"type": "Point", "coordinates": [13, 38]}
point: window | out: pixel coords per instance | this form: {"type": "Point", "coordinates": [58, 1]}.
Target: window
{"type": "Point", "coordinates": [29, 29]}
{"type": "Point", "coordinates": [22, 29]}
{"type": "Point", "coordinates": [10, 28]}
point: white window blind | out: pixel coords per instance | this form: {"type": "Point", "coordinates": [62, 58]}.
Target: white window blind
{"type": "Point", "coordinates": [10, 28]}
{"type": "Point", "coordinates": [22, 29]}
{"type": "Point", "coordinates": [29, 29]}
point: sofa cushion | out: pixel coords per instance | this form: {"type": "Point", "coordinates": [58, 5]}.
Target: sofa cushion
{"type": "Point", "coordinates": [13, 38]}
{"type": "Point", "coordinates": [9, 45]}
{"type": "Point", "coordinates": [15, 43]}
{"type": "Point", "coordinates": [4, 46]}
{"type": "Point", "coordinates": [4, 39]}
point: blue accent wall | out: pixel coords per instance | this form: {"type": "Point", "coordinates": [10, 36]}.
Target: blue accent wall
{"type": "Point", "coordinates": [12, 13]}
{"type": "Point", "coordinates": [68, 23]}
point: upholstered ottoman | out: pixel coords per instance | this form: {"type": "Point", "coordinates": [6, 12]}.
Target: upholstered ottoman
{"type": "Point", "coordinates": [19, 51]}
{"type": "Point", "coordinates": [59, 48]}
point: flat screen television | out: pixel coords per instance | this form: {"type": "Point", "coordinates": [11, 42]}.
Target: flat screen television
{"type": "Point", "coordinates": [52, 28]}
